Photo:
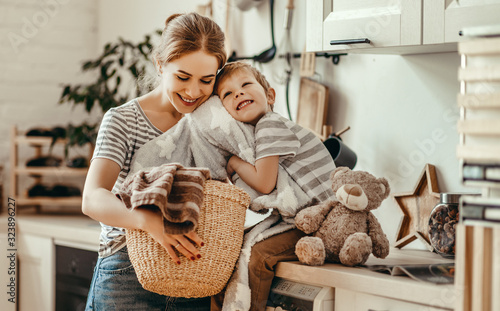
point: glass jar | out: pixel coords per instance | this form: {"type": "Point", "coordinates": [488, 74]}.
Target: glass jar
{"type": "Point", "coordinates": [442, 224]}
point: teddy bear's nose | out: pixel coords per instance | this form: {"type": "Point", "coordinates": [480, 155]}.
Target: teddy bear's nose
{"type": "Point", "coordinates": [354, 190]}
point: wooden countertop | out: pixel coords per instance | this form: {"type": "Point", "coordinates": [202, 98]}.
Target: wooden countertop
{"type": "Point", "coordinates": [360, 279]}
{"type": "Point", "coordinates": [82, 232]}
{"type": "Point", "coordinates": [70, 230]}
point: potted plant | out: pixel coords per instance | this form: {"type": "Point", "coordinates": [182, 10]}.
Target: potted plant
{"type": "Point", "coordinates": [120, 61]}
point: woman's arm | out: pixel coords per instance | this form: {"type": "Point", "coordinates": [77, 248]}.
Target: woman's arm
{"type": "Point", "coordinates": [101, 204]}
{"type": "Point", "coordinates": [261, 177]}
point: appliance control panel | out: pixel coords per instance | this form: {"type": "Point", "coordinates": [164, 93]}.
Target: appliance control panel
{"type": "Point", "coordinates": [289, 295]}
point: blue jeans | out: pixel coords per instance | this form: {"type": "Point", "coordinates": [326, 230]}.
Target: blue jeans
{"type": "Point", "coordinates": [115, 287]}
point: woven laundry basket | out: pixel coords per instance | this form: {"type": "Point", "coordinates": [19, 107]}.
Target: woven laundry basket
{"type": "Point", "coordinates": [220, 226]}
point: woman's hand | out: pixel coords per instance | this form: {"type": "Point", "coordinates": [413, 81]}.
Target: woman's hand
{"type": "Point", "coordinates": [182, 243]}
{"type": "Point", "coordinates": [102, 205]}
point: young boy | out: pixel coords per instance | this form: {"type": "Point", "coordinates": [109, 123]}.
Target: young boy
{"type": "Point", "coordinates": [248, 97]}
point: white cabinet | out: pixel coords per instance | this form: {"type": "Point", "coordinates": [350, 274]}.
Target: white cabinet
{"type": "Point", "coordinates": [346, 300]}
{"type": "Point", "coordinates": [444, 19]}
{"type": "Point", "coordinates": [341, 25]}
{"type": "Point", "coordinates": [359, 289]}
{"type": "Point", "coordinates": [37, 273]}
{"type": "Point", "coordinates": [37, 239]}
{"type": "Point", "coordinates": [393, 26]}
{"type": "Point", "coordinates": [8, 263]}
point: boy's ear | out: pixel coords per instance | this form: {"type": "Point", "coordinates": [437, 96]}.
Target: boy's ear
{"type": "Point", "coordinates": [271, 96]}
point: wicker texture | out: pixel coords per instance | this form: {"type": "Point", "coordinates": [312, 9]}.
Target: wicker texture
{"type": "Point", "coordinates": [220, 226]}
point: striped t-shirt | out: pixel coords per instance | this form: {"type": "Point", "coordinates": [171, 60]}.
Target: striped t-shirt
{"type": "Point", "coordinates": [300, 152]}
{"type": "Point", "coordinates": [123, 131]}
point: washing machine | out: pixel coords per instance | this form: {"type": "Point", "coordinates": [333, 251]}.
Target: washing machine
{"type": "Point", "coordinates": [286, 295]}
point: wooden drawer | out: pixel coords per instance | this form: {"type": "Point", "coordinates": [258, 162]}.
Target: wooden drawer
{"type": "Point", "coordinates": [346, 300]}
{"type": "Point", "coordinates": [382, 30]}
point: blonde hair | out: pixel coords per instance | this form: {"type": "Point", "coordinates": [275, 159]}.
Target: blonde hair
{"type": "Point", "coordinates": [230, 68]}
{"type": "Point", "coordinates": [187, 33]}
{"type": "Point", "coordinates": [184, 34]}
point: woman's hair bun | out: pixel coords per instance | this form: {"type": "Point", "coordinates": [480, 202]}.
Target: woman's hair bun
{"type": "Point", "coordinates": [170, 18]}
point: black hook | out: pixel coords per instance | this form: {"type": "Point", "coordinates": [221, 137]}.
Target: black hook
{"type": "Point", "coordinates": [335, 57]}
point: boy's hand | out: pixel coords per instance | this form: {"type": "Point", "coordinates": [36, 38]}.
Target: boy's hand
{"type": "Point", "coordinates": [229, 167]}
{"type": "Point", "coordinates": [262, 176]}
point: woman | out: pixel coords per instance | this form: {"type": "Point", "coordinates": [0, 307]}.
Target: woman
{"type": "Point", "coordinates": [187, 59]}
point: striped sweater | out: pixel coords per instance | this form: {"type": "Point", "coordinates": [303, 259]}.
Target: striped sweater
{"type": "Point", "coordinates": [300, 152]}
{"type": "Point", "coordinates": [123, 131]}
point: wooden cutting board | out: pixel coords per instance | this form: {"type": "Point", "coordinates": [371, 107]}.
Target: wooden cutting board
{"type": "Point", "coordinates": [312, 106]}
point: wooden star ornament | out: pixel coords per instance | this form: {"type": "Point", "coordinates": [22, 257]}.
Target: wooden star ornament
{"type": "Point", "coordinates": [417, 207]}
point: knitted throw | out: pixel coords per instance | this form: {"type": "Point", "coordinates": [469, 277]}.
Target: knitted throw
{"type": "Point", "coordinates": [176, 191]}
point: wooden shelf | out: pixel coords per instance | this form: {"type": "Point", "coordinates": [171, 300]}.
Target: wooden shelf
{"type": "Point", "coordinates": [51, 171]}
{"type": "Point", "coordinates": [18, 170]}
{"type": "Point", "coordinates": [65, 201]}
{"type": "Point", "coordinates": [37, 140]}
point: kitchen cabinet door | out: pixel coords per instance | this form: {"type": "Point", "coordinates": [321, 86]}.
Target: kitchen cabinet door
{"type": "Point", "coordinates": [9, 273]}
{"type": "Point", "coordinates": [346, 300]}
{"type": "Point", "coordinates": [36, 272]}
{"type": "Point", "coordinates": [444, 19]}
{"type": "Point", "coordinates": [350, 25]}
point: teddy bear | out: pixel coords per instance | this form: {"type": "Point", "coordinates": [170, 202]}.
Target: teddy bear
{"type": "Point", "coordinates": [344, 230]}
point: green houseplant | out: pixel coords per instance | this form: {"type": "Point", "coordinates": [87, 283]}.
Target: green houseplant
{"type": "Point", "coordinates": [119, 61]}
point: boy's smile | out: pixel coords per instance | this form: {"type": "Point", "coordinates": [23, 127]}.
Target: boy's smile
{"type": "Point", "coordinates": [244, 98]}
{"type": "Point", "coordinates": [243, 104]}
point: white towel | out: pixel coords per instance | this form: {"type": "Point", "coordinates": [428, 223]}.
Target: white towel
{"type": "Point", "coordinates": [207, 138]}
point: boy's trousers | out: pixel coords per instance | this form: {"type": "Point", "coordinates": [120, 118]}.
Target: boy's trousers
{"type": "Point", "coordinates": [263, 259]}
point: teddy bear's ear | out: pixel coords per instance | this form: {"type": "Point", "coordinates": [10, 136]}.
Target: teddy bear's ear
{"type": "Point", "coordinates": [339, 171]}
{"type": "Point", "coordinates": [384, 185]}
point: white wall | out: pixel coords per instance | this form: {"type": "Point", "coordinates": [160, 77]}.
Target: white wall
{"type": "Point", "coordinates": [401, 109]}
{"type": "Point", "coordinates": [42, 45]}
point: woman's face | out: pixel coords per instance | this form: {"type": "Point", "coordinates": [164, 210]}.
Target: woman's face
{"type": "Point", "coordinates": [189, 80]}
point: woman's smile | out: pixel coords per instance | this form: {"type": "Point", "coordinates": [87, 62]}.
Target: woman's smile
{"type": "Point", "coordinates": [188, 102]}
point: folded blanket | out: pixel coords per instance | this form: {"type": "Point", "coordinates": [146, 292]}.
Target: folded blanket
{"type": "Point", "coordinates": [176, 191]}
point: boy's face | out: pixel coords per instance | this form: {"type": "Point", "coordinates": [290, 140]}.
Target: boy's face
{"type": "Point", "coordinates": [244, 98]}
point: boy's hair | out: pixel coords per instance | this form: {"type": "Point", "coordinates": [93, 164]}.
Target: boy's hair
{"type": "Point", "coordinates": [230, 68]}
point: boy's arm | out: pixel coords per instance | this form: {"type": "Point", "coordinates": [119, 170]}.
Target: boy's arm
{"type": "Point", "coordinates": [262, 177]}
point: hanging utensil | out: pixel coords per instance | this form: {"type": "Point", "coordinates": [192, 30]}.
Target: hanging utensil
{"type": "Point", "coordinates": [267, 55]}
{"type": "Point", "coordinates": [341, 154]}
{"type": "Point", "coordinates": [284, 76]}
{"type": "Point", "coordinates": [285, 49]}
{"type": "Point", "coordinates": [287, 22]}
{"type": "Point", "coordinates": [307, 64]}
{"type": "Point", "coordinates": [246, 5]}
{"type": "Point", "coordinates": [227, 42]}
{"type": "Point", "coordinates": [342, 131]}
